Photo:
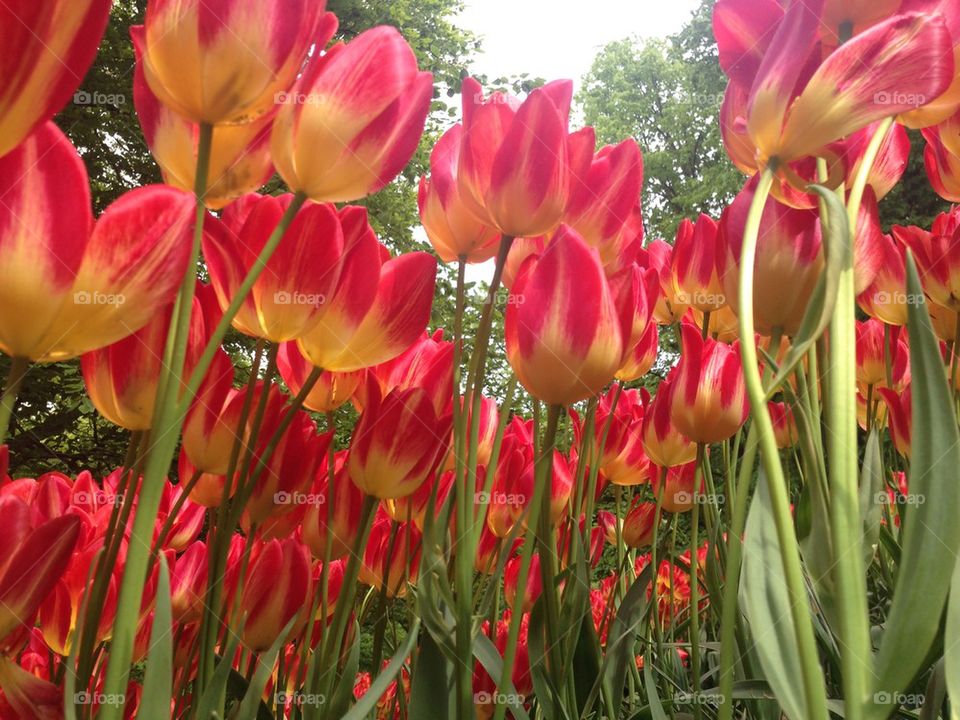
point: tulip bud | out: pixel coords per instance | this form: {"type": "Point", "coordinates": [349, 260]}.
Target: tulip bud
{"type": "Point", "coordinates": [195, 55]}
{"type": "Point", "coordinates": [675, 488]}
{"type": "Point", "coordinates": [784, 424]}
{"type": "Point", "coordinates": [451, 228]}
{"type": "Point", "coordinates": [277, 589]}
{"type": "Point", "coordinates": [531, 591]}
{"type": "Point", "coordinates": [697, 256]}
{"type": "Point", "coordinates": [392, 555]}
{"type": "Point", "coordinates": [669, 309]}
{"type": "Point", "coordinates": [900, 418]}
{"type": "Point", "coordinates": [641, 358]}
{"type": "Point", "coordinates": [331, 390]}
{"type": "Point", "coordinates": [358, 115]}
{"type": "Point", "coordinates": [398, 442]}
{"type": "Point", "coordinates": [623, 461]}
{"type": "Point", "coordinates": [638, 524]}
{"type": "Point", "coordinates": [49, 47]}
{"type": "Point", "coordinates": [709, 400]}
{"type": "Point", "coordinates": [564, 337]}
{"type": "Point", "coordinates": [345, 502]}
{"type": "Point", "coordinates": [514, 169]}
{"type": "Point", "coordinates": [938, 257]}
{"type": "Point", "coordinates": [663, 442]}
{"type": "Point", "coordinates": [886, 297]}
{"type": "Point", "coordinates": [188, 583]}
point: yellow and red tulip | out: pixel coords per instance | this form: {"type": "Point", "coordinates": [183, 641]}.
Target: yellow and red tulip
{"type": "Point", "coordinates": [641, 358]}
{"type": "Point", "coordinates": [346, 501]}
{"type": "Point", "coordinates": [784, 424]}
{"type": "Point", "coordinates": [563, 335]}
{"type": "Point", "coordinates": [638, 524]}
{"type": "Point", "coordinates": [696, 263]}
{"type": "Point", "coordinates": [48, 48]}
{"type": "Point", "coordinates": [676, 491]}
{"type": "Point", "coordinates": [188, 583]}
{"type": "Point", "coordinates": [277, 589]}
{"type": "Point", "coordinates": [623, 460]}
{"type": "Point", "coordinates": [872, 353]}
{"type": "Point", "coordinates": [937, 253]}
{"type": "Point", "coordinates": [886, 297]}
{"type": "Point", "coordinates": [354, 118]}
{"type": "Point", "coordinates": [514, 170]}
{"type": "Point", "coordinates": [390, 558]}
{"type": "Point", "coordinates": [331, 390]}
{"type": "Point", "coordinates": [663, 442]}
{"type": "Point", "coordinates": [900, 416]}
{"type": "Point", "coordinates": [668, 309]}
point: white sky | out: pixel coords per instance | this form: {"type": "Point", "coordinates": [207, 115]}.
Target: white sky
{"type": "Point", "coordinates": [556, 39]}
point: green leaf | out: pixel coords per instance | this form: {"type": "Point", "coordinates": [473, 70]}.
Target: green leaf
{"type": "Point", "coordinates": [586, 663]}
{"type": "Point", "coordinates": [380, 684]}
{"type": "Point", "coordinates": [548, 695]}
{"type": "Point", "coordinates": [432, 682]}
{"type": "Point", "coordinates": [872, 496]}
{"type": "Point", "coordinates": [211, 702]}
{"type": "Point", "coordinates": [343, 693]}
{"type": "Point", "coordinates": [931, 533]}
{"type": "Point", "coordinates": [158, 676]}
{"type": "Point", "coordinates": [621, 639]}
{"type": "Point", "coordinates": [951, 653]}
{"type": "Point", "coordinates": [488, 656]}
{"type": "Point", "coordinates": [766, 603]}
{"type": "Point", "coordinates": [252, 700]}
{"type": "Point", "coordinates": [656, 708]}
{"type": "Point", "coordinates": [935, 693]}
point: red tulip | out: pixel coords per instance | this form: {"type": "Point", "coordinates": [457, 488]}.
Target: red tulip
{"type": "Point", "coordinates": [669, 309]}
{"type": "Point", "coordinates": [210, 426]}
{"type": "Point", "coordinates": [938, 257]}
{"type": "Point", "coordinates": [278, 588]}
{"type": "Point", "coordinates": [663, 442]}
{"type": "Point", "coordinates": [709, 400]}
{"type": "Point", "coordinates": [642, 357]}
{"type": "Point", "coordinates": [886, 297]}
{"type": "Point", "coordinates": [564, 338]}
{"type": "Point", "coordinates": [514, 170]}
{"type": "Point", "coordinates": [451, 228]}
{"type": "Point", "coordinates": [346, 500]}
{"type": "Point", "coordinates": [623, 461]}
{"type": "Point", "coordinates": [398, 442]}
{"type": "Point", "coordinates": [427, 364]}
{"type": "Point", "coordinates": [195, 54]}
{"type": "Point", "coordinates": [533, 588]}
{"type": "Point", "coordinates": [391, 557]}
{"type": "Point", "coordinates": [638, 524]}
{"type": "Point", "coordinates": [942, 157]}
{"type": "Point", "coordinates": [239, 154]}
{"type": "Point", "coordinates": [65, 290]}
{"type": "Point", "coordinates": [677, 493]}
{"type": "Point", "coordinates": [330, 391]}
{"type": "Point", "coordinates": [697, 260]}
{"type": "Point", "coordinates": [871, 354]}
{"type": "Point", "coordinates": [289, 296]}
{"type": "Point", "coordinates": [890, 163]}
{"type": "Point", "coordinates": [188, 583]}
{"type": "Point", "coordinates": [784, 424]}
{"type": "Point", "coordinates": [353, 118]}
{"type": "Point", "coordinates": [900, 418]}
{"type": "Point", "coordinates": [48, 48]}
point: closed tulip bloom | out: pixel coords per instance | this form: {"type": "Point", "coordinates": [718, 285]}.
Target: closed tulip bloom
{"type": "Point", "coordinates": [188, 583]}
{"type": "Point", "coordinates": [697, 257]}
{"type": "Point", "coordinates": [398, 442]}
{"type": "Point", "coordinates": [669, 309]}
{"type": "Point", "coordinates": [68, 285]}
{"type": "Point", "coordinates": [635, 292]}
{"type": "Point", "coordinates": [48, 48]}
{"type": "Point", "coordinates": [533, 588]}
{"type": "Point", "coordinates": [872, 352]}
{"type": "Point", "coordinates": [788, 263]}
{"type": "Point", "coordinates": [380, 306]}
{"type": "Point", "coordinates": [289, 296]}
{"type": "Point", "coordinates": [638, 524]}
{"type": "Point", "coordinates": [427, 364]}
{"type": "Point", "coordinates": [663, 442]}
{"type": "Point", "coordinates": [452, 229]}
{"type": "Point", "coordinates": [676, 491]}
{"type": "Point", "coordinates": [623, 460]}
{"type": "Point", "coordinates": [239, 154]}
{"type": "Point", "coordinates": [227, 63]}
{"type": "Point", "coordinates": [941, 157]}
{"type": "Point", "coordinates": [564, 338]}
{"type": "Point", "coordinates": [356, 117]}
{"type": "Point", "coordinates": [278, 588]}
{"type": "Point", "coordinates": [944, 322]}
{"type": "Point", "coordinates": [886, 297]}
{"type": "Point", "coordinates": [521, 249]}
{"type": "Point", "coordinates": [709, 400]}
{"type": "Point", "coordinates": [345, 501]}
{"type": "Point", "coordinates": [213, 418]}
{"type": "Point", "coordinates": [514, 169]}
{"type": "Point", "coordinates": [641, 358]}
{"type": "Point", "coordinates": [331, 390]}
{"type": "Point", "coordinates": [938, 257]}
{"type": "Point", "coordinates": [514, 476]}
{"type": "Point", "coordinates": [900, 417]}
{"type": "Point", "coordinates": [784, 424]}
{"type": "Point", "coordinates": [390, 558]}
{"type": "Point", "coordinates": [604, 191]}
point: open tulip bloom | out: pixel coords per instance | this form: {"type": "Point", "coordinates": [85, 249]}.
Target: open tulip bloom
{"type": "Point", "coordinates": [707, 476]}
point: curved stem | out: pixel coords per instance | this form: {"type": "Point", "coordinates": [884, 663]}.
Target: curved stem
{"type": "Point", "coordinates": [11, 389]}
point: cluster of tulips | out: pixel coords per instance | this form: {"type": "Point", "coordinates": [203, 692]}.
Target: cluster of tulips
{"type": "Point", "coordinates": [612, 550]}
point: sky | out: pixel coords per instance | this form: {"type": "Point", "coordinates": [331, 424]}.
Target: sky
{"type": "Point", "coordinates": [556, 39]}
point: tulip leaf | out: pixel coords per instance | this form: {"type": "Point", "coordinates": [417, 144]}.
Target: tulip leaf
{"type": "Point", "coordinates": [951, 654]}
{"type": "Point", "coordinates": [158, 676]}
{"type": "Point", "coordinates": [766, 602]}
{"type": "Point", "coordinates": [653, 698]}
{"type": "Point", "coordinates": [548, 695]}
{"type": "Point", "coordinates": [817, 316]}
{"type": "Point", "coordinates": [586, 663]}
{"type": "Point", "coordinates": [486, 653]}
{"type": "Point", "coordinates": [432, 685]}
{"type": "Point", "coordinates": [380, 684]}
{"type": "Point", "coordinates": [211, 702]}
{"type": "Point", "coordinates": [930, 537]}
{"type": "Point", "coordinates": [621, 638]}
{"type": "Point", "coordinates": [871, 496]}
{"type": "Point", "coordinates": [344, 691]}
{"type": "Point", "coordinates": [935, 693]}
{"type": "Point", "coordinates": [252, 700]}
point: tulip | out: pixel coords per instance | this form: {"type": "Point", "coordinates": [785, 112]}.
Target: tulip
{"type": "Point", "coordinates": [331, 390]}
{"type": "Point", "coordinates": [188, 583]}
{"type": "Point", "coordinates": [675, 488]}
{"type": "Point", "coordinates": [453, 231]}
{"type": "Point", "coordinates": [622, 460]}
{"type": "Point", "coordinates": [709, 399]}
{"type": "Point", "coordinates": [663, 442]}
{"type": "Point", "coordinates": [427, 364]}
{"type": "Point", "coordinates": [669, 309]}
{"type": "Point", "coordinates": [239, 160]}
{"type": "Point", "coordinates": [277, 589]}
{"type": "Point", "coordinates": [944, 322]}
{"type": "Point", "coordinates": [642, 357]}
{"type": "Point", "coordinates": [941, 158]}
{"type": "Point", "coordinates": [186, 524]}
{"type": "Point", "coordinates": [25, 695]}
{"type": "Point", "coordinates": [638, 524]}
{"type": "Point", "coordinates": [379, 307]}
{"type": "Point", "coordinates": [514, 475]}
{"type": "Point", "coordinates": [210, 428]}
{"type": "Point", "coordinates": [289, 296]}
{"type": "Point", "coordinates": [901, 418]}
{"type": "Point", "coordinates": [696, 258]}
{"type": "Point", "coordinates": [346, 500]}
{"type": "Point", "coordinates": [355, 119]}
{"type": "Point", "coordinates": [514, 170]}
{"type": "Point", "coordinates": [890, 163]}
{"type": "Point", "coordinates": [229, 63]}
{"type": "Point", "coordinates": [563, 336]}
{"type": "Point", "coordinates": [533, 588]}
{"type": "Point", "coordinates": [488, 421]}
{"type": "Point", "coordinates": [484, 686]}
{"type": "Point", "coordinates": [391, 555]}
{"type": "Point", "coordinates": [520, 249]}
{"type": "Point", "coordinates": [635, 291]}
{"type": "Point", "coordinates": [871, 355]}
{"type": "Point", "coordinates": [604, 192]}
{"type": "Point", "coordinates": [48, 48]}
{"type": "Point", "coordinates": [121, 379]}
{"type": "Point", "coordinates": [68, 286]}
{"type": "Point", "coordinates": [886, 297]}
{"type": "Point", "coordinates": [789, 261]}
{"type": "Point", "coordinates": [938, 257]}
{"type": "Point", "coordinates": [784, 424]}
{"type": "Point", "coordinates": [398, 442]}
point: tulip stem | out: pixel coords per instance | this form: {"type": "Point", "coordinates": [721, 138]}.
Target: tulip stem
{"type": "Point", "coordinates": [11, 390]}
{"type": "Point", "coordinates": [812, 675]}
{"type": "Point", "coordinates": [547, 541]}
{"type": "Point", "coordinates": [694, 579]}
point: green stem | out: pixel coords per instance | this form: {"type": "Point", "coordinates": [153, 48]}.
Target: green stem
{"type": "Point", "coordinates": [694, 579]}
{"type": "Point", "coordinates": [11, 389]}
{"type": "Point", "coordinates": [812, 676]}
{"type": "Point", "coordinates": [547, 542]}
